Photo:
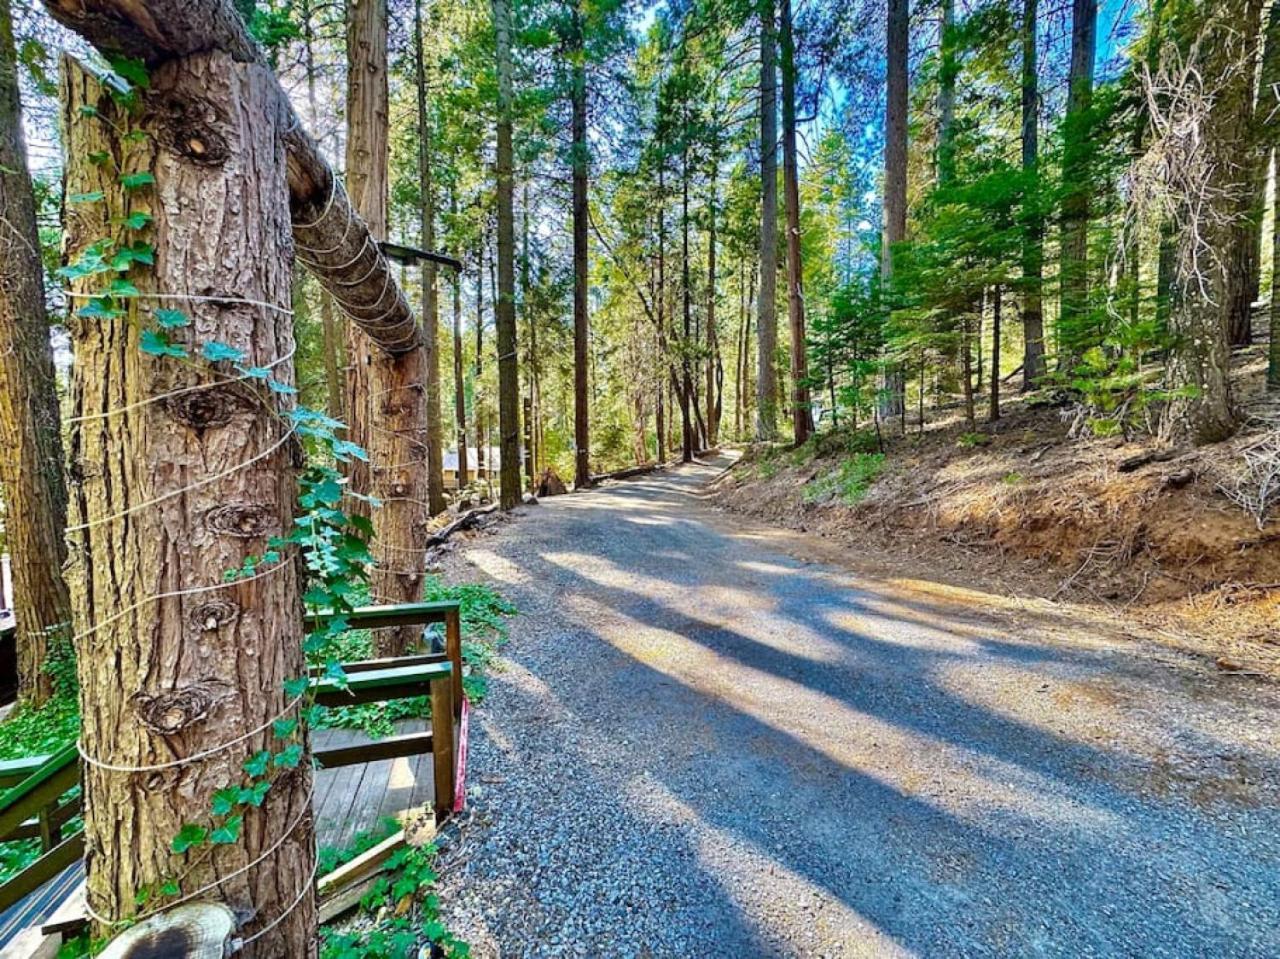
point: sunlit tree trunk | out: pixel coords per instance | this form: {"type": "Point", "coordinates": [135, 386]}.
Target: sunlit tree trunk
{"type": "Point", "coordinates": [173, 660]}
{"type": "Point", "coordinates": [459, 389]}
{"type": "Point", "coordinates": [430, 295]}
{"type": "Point", "coordinates": [386, 403]}
{"type": "Point", "coordinates": [767, 319]}
{"type": "Point", "coordinates": [31, 477]}
{"type": "Point", "coordinates": [801, 411]}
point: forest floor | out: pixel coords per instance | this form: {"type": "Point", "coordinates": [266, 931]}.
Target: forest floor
{"type": "Point", "coordinates": [1093, 525]}
{"type": "Point", "coordinates": [702, 742]}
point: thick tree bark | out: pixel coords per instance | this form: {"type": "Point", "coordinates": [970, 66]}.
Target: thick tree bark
{"type": "Point", "coordinates": [801, 410]}
{"type": "Point", "coordinates": [947, 73]}
{"type": "Point", "coordinates": [505, 306]}
{"type": "Point", "coordinates": [1244, 256]}
{"type": "Point", "coordinates": [459, 388]}
{"type": "Point", "coordinates": [993, 412]}
{"type": "Point", "coordinates": [31, 477]}
{"type": "Point", "coordinates": [333, 352]}
{"type": "Point", "coordinates": [892, 401]}
{"type": "Point", "coordinates": [1201, 408]}
{"type": "Point", "coordinates": [386, 402]}
{"type": "Point", "coordinates": [767, 307]}
{"type": "Point", "coordinates": [1033, 359]}
{"type": "Point", "coordinates": [1269, 107]}
{"type": "Point", "coordinates": [581, 321]}
{"type": "Point", "coordinates": [685, 387]}
{"type": "Point", "coordinates": [170, 493]}
{"type": "Point", "coordinates": [430, 298]}
{"type": "Point", "coordinates": [1073, 267]}
{"type": "Point", "coordinates": [331, 238]}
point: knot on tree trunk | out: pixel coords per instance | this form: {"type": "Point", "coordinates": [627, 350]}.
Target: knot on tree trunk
{"type": "Point", "coordinates": [173, 710]}
{"type": "Point", "coordinates": [242, 520]}
{"type": "Point", "coordinates": [189, 126]}
{"type": "Point", "coordinates": [207, 408]}
{"type": "Point", "coordinates": [212, 614]}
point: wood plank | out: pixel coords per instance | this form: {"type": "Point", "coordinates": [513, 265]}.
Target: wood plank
{"type": "Point", "coordinates": [380, 685]}
{"type": "Point", "coordinates": [399, 614]}
{"type": "Point", "coordinates": [369, 665]}
{"type": "Point", "coordinates": [40, 789]}
{"type": "Point", "coordinates": [364, 865]}
{"type": "Point", "coordinates": [13, 771]}
{"type": "Point", "coordinates": [453, 650]}
{"type": "Point", "coordinates": [392, 747]}
{"type": "Point", "coordinates": [30, 828]}
{"type": "Point", "coordinates": [444, 769]}
{"type": "Point", "coordinates": [42, 870]}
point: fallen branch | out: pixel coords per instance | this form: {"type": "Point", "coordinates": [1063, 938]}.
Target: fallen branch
{"type": "Point", "coordinates": [467, 520]}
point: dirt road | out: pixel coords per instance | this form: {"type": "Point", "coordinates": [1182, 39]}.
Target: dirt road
{"type": "Point", "coordinates": [701, 745]}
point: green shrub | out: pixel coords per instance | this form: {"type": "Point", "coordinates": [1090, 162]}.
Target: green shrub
{"type": "Point", "coordinates": [849, 481]}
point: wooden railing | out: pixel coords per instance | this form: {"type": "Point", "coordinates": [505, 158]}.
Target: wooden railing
{"type": "Point", "coordinates": [41, 798]}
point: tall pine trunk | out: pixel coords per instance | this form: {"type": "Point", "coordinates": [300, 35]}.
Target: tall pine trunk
{"type": "Point", "coordinates": [581, 321]}
{"type": "Point", "coordinates": [1201, 408]}
{"type": "Point", "coordinates": [892, 401]}
{"type": "Point", "coordinates": [801, 410]}
{"type": "Point", "coordinates": [430, 295]}
{"type": "Point", "coordinates": [386, 401]}
{"type": "Point", "coordinates": [1033, 359]}
{"type": "Point", "coordinates": [459, 388]}
{"type": "Point", "coordinates": [767, 312]}
{"type": "Point", "coordinates": [174, 661]}
{"type": "Point", "coordinates": [31, 477]}
{"type": "Point", "coordinates": [505, 304]}
{"type": "Point", "coordinates": [1073, 312]}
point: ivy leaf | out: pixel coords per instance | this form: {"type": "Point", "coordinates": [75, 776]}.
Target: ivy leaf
{"type": "Point", "coordinates": [93, 197]}
{"type": "Point", "coordinates": [294, 688]}
{"type": "Point", "coordinates": [170, 888]}
{"type": "Point", "coordinates": [88, 111]}
{"type": "Point", "coordinates": [171, 319]}
{"type": "Point", "coordinates": [328, 492]}
{"type": "Point", "coordinates": [190, 835]}
{"type": "Point", "coordinates": [228, 832]}
{"type": "Point", "coordinates": [344, 451]}
{"type": "Point", "coordinates": [122, 287]}
{"type": "Point", "coordinates": [99, 308]}
{"type": "Point", "coordinates": [214, 350]}
{"type": "Point", "coordinates": [256, 372]}
{"type": "Point", "coordinates": [136, 181]}
{"type": "Point", "coordinates": [225, 800]}
{"type": "Point", "coordinates": [135, 220]}
{"type": "Point", "coordinates": [126, 256]}
{"type": "Point", "coordinates": [127, 68]}
{"type": "Point", "coordinates": [333, 670]}
{"type": "Point", "coordinates": [283, 388]}
{"type": "Point", "coordinates": [157, 344]}
{"type": "Point", "coordinates": [256, 765]}
{"type": "Point", "coordinates": [290, 757]}
{"type": "Point", "coordinates": [99, 157]}
{"type": "Point", "coordinates": [255, 794]}
{"type": "Point", "coordinates": [283, 728]}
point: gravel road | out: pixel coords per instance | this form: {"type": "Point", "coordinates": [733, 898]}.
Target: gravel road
{"type": "Point", "coordinates": [699, 744]}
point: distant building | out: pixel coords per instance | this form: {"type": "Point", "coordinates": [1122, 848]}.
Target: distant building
{"type": "Point", "coordinates": [492, 462]}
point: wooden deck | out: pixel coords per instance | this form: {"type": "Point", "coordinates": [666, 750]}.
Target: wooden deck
{"type": "Point", "coordinates": [355, 799]}
{"type": "Point", "coordinates": [347, 801]}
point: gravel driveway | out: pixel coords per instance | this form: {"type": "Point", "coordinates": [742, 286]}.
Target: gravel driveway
{"type": "Point", "coordinates": [701, 745]}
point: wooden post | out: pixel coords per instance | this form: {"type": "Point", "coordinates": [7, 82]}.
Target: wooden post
{"type": "Point", "coordinates": [453, 649]}
{"type": "Point", "coordinates": [442, 744]}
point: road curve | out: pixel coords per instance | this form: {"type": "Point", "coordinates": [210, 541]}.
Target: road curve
{"type": "Point", "coordinates": [699, 744]}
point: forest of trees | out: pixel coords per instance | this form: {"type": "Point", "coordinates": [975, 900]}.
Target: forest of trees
{"type": "Point", "coordinates": [945, 201]}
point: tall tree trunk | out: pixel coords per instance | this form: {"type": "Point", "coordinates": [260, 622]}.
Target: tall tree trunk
{"type": "Point", "coordinates": [1269, 106]}
{"type": "Point", "coordinates": [481, 452]}
{"type": "Point", "coordinates": [996, 306]}
{"type": "Point", "coordinates": [1033, 360]}
{"type": "Point", "coordinates": [31, 477]}
{"type": "Point", "coordinates": [801, 410]}
{"type": "Point", "coordinates": [1201, 407]}
{"type": "Point", "coordinates": [893, 401]}
{"type": "Point", "coordinates": [385, 400]}
{"type": "Point", "coordinates": [767, 319]}
{"type": "Point", "coordinates": [1244, 256]}
{"type": "Point", "coordinates": [688, 397]}
{"type": "Point", "coordinates": [459, 389]}
{"type": "Point", "coordinates": [505, 305]}
{"type": "Point", "coordinates": [430, 296]}
{"type": "Point", "coordinates": [175, 662]}
{"type": "Point", "coordinates": [581, 327]}
{"type": "Point", "coordinates": [947, 73]}
{"type": "Point", "coordinates": [1073, 311]}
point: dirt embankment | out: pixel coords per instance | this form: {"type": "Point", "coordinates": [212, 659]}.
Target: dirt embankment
{"type": "Point", "coordinates": [1024, 510]}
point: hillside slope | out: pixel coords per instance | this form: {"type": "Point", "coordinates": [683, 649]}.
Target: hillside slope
{"type": "Point", "coordinates": [1023, 509]}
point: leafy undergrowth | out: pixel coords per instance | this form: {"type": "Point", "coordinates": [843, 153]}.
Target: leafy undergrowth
{"type": "Point", "coordinates": [399, 914]}
{"type": "Point", "coordinates": [1020, 507]}
{"type": "Point", "coordinates": [484, 630]}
